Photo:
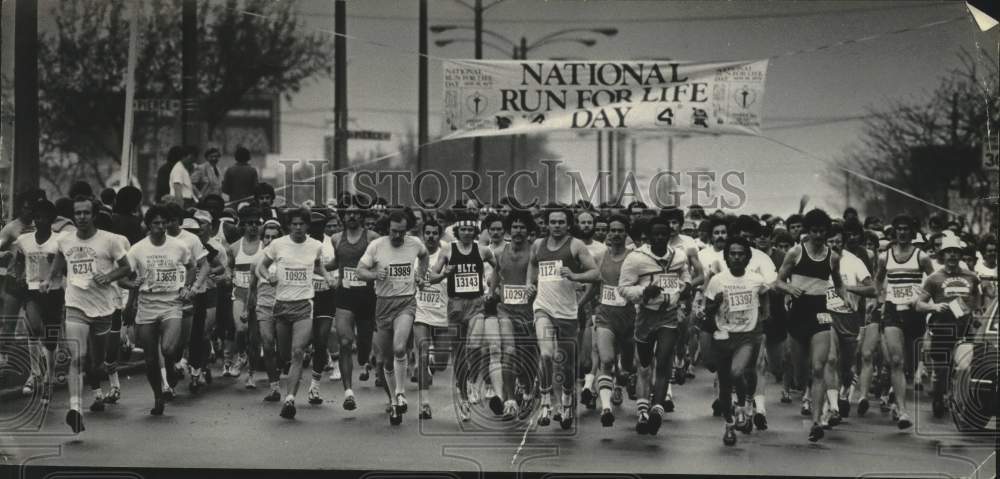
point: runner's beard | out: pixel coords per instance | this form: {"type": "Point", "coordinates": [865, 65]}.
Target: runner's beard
{"type": "Point", "coordinates": [586, 235]}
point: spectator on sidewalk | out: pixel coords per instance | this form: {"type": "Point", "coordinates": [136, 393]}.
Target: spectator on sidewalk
{"type": "Point", "coordinates": [207, 178]}
{"type": "Point", "coordinates": [240, 180]}
{"type": "Point", "coordinates": [163, 173]}
{"type": "Point", "coordinates": [180, 177]}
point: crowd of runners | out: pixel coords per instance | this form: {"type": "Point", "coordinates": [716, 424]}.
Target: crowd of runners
{"type": "Point", "coordinates": [539, 311]}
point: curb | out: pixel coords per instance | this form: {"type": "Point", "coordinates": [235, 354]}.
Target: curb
{"type": "Point", "coordinates": [14, 392]}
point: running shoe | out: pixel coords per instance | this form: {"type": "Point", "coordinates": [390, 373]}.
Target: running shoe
{"type": "Point", "coordinates": [806, 407]}
{"type": "Point", "coordinates": [545, 416]}
{"type": "Point", "coordinates": [630, 386]}
{"type": "Point", "coordinates": [314, 396]}
{"type": "Point", "coordinates": [786, 398]}
{"type": "Point", "coordinates": [937, 406]}
{"type": "Point", "coordinates": [894, 411]}
{"type": "Point", "coordinates": [496, 405]}
{"type": "Point", "coordinates": [29, 385]}
{"type": "Point", "coordinates": [835, 418]}
{"type": "Point", "coordinates": [566, 419]}
{"type": "Point", "coordinates": [473, 393]}
{"type": "Point", "coordinates": [862, 406]}
{"type": "Point", "coordinates": [815, 433]}
{"type": "Point", "coordinates": [401, 402]}
{"type": "Point", "coordinates": [250, 383]}
{"type": "Point", "coordinates": [98, 404]}
{"type": "Point", "coordinates": [330, 362]}
{"type": "Point", "coordinates": [586, 397]}
{"type": "Point", "coordinates": [743, 423]}
{"type": "Point", "coordinates": [363, 376]}
{"type": "Point", "coordinates": [168, 393]}
{"type": "Point", "coordinates": [668, 403]}
{"type": "Point", "coordinates": [689, 371]}
{"type": "Point", "coordinates": [114, 395]}
{"type": "Point", "coordinates": [904, 421]}
{"type": "Point", "coordinates": [349, 403]}
{"type": "Point", "coordinates": [642, 423]}
{"type": "Point", "coordinates": [510, 410]}
{"type": "Point", "coordinates": [760, 421]}
{"type": "Point", "coordinates": [607, 418]}
{"type": "Point", "coordinates": [207, 375]}
{"type": "Point", "coordinates": [75, 420]}
{"type": "Point", "coordinates": [425, 411]}
{"type": "Point", "coordinates": [195, 385]}
{"type": "Point", "coordinates": [158, 406]}
{"type": "Point", "coordinates": [379, 382]}
{"type": "Point", "coordinates": [655, 419]}
{"type": "Point", "coordinates": [273, 396]}
{"type": "Point", "coordinates": [616, 396]}
{"type": "Point", "coordinates": [729, 434]}
{"type": "Point", "coordinates": [335, 374]}
{"type": "Point", "coordinates": [395, 415]}
{"type": "Point", "coordinates": [679, 377]}
{"type": "Point", "coordinates": [288, 410]}
{"type": "Point", "coordinates": [464, 410]}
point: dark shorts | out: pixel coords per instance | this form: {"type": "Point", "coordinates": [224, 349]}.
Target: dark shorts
{"type": "Point", "coordinates": [945, 332]}
{"type": "Point", "coordinates": [324, 303]}
{"type": "Point", "coordinates": [647, 322]}
{"type": "Point", "coordinates": [848, 325]}
{"type": "Point", "coordinates": [51, 306]}
{"type": "Point", "coordinates": [521, 319]}
{"type": "Point", "coordinates": [464, 310]}
{"type": "Point", "coordinates": [360, 301]}
{"type": "Point", "coordinates": [620, 320]}
{"type": "Point", "coordinates": [566, 329]}
{"type": "Point", "coordinates": [723, 349]}
{"type": "Point", "coordinates": [909, 320]}
{"type": "Point", "coordinates": [292, 311]}
{"type": "Point", "coordinates": [803, 320]}
{"type": "Point", "coordinates": [13, 288]}
{"type": "Point", "coordinates": [776, 326]}
{"type": "Point", "coordinates": [388, 309]}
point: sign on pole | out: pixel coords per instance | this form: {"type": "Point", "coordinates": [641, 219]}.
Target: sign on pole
{"type": "Point", "coordinates": [490, 98]}
{"type": "Point", "coordinates": [991, 152]}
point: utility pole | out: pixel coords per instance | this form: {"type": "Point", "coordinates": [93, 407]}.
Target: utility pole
{"type": "Point", "coordinates": [847, 190]}
{"type": "Point", "coordinates": [25, 161]}
{"type": "Point", "coordinates": [670, 161]}
{"type": "Point", "coordinates": [600, 165]}
{"type": "Point", "coordinates": [612, 168]}
{"type": "Point", "coordinates": [477, 144]}
{"type": "Point", "coordinates": [422, 94]}
{"type": "Point", "coordinates": [340, 86]}
{"type": "Point", "coordinates": [191, 132]}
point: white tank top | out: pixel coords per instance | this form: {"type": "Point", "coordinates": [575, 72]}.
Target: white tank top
{"type": "Point", "coordinates": [902, 279]}
{"type": "Point", "coordinates": [244, 263]}
{"type": "Point", "coordinates": [432, 300]}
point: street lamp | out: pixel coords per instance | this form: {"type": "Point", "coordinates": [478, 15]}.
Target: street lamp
{"type": "Point", "coordinates": [587, 42]}
{"type": "Point", "coordinates": [448, 41]}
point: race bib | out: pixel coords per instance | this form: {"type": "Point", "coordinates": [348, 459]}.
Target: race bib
{"type": "Point", "coordinates": [466, 283]}
{"type": "Point", "coordinates": [165, 280]}
{"type": "Point", "coordinates": [824, 318]}
{"type": "Point", "coordinates": [957, 290]}
{"type": "Point", "coordinates": [350, 278]}
{"type": "Point", "coordinates": [670, 283]}
{"type": "Point", "coordinates": [241, 279]}
{"type": "Point", "coordinates": [549, 271]}
{"type": "Point", "coordinates": [958, 307]}
{"type": "Point", "coordinates": [295, 276]}
{"type": "Point", "coordinates": [835, 303]}
{"type": "Point", "coordinates": [741, 301]}
{"type": "Point", "coordinates": [34, 270]}
{"type": "Point", "coordinates": [319, 284]}
{"type": "Point", "coordinates": [81, 272]}
{"type": "Point", "coordinates": [900, 293]}
{"type": "Point", "coordinates": [515, 294]}
{"type": "Point", "coordinates": [610, 296]}
{"type": "Point", "coordinates": [399, 272]}
{"type": "Point", "coordinates": [430, 298]}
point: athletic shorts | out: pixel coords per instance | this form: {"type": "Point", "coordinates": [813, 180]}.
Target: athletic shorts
{"type": "Point", "coordinates": [99, 325]}
{"type": "Point", "coordinates": [566, 329]}
{"type": "Point", "coordinates": [620, 320]}
{"type": "Point", "coordinates": [945, 331]}
{"type": "Point", "coordinates": [389, 308]}
{"type": "Point", "coordinates": [360, 301]}
{"type": "Point", "coordinates": [293, 311]}
{"type": "Point", "coordinates": [521, 318]}
{"type": "Point", "coordinates": [848, 325]}
{"type": "Point", "coordinates": [464, 310]}
{"type": "Point", "coordinates": [265, 312]}
{"type": "Point", "coordinates": [9, 286]}
{"type": "Point", "coordinates": [52, 305]}
{"type": "Point", "coordinates": [776, 326]}
{"type": "Point", "coordinates": [647, 322]}
{"type": "Point", "coordinates": [803, 322]}
{"type": "Point", "coordinates": [210, 298]}
{"type": "Point", "coordinates": [324, 303]}
{"type": "Point", "coordinates": [724, 348]}
{"type": "Point", "coordinates": [909, 320]}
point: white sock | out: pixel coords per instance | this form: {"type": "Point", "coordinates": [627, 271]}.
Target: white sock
{"type": "Point", "coordinates": [348, 392]}
{"type": "Point", "coordinates": [399, 374]}
{"type": "Point", "coordinates": [390, 382]}
{"type": "Point", "coordinates": [832, 397]}
{"type": "Point", "coordinates": [275, 386]}
{"type": "Point", "coordinates": [588, 381]}
{"type": "Point", "coordinates": [567, 399]}
{"type": "Point", "coordinates": [290, 398]}
{"type": "Point", "coordinates": [670, 390]}
{"type": "Point", "coordinates": [98, 394]}
{"type": "Point", "coordinates": [163, 373]}
{"type": "Point", "coordinates": [313, 384]}
{"type": "Point", "coordinates": [113, 379]}
{"type": "Point", "coordinates": [74, 403]}
{"type": "Point", "coordinates": [759, 403]}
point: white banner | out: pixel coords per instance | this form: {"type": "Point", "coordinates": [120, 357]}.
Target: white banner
{"type": "Point", "coordinates": [490, 98]}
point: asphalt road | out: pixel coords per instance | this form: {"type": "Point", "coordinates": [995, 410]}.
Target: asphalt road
{"type": "Point", "coordinates": [227, 426]}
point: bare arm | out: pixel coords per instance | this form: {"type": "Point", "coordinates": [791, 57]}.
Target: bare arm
{"type": "Point", "coordinates": [785, 272]}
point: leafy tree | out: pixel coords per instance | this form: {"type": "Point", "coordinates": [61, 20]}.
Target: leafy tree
{"type": "Point", "coordinates": [926, 146]}
{"type": "Point", "coordinates": [244, 47]}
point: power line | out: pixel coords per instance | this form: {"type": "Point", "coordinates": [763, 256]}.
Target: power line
{"type": "Point", "coordinates": [639, 20]}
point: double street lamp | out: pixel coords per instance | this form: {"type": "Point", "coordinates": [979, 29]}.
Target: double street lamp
{"type": "Point", "coordinates": [522, 48]}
